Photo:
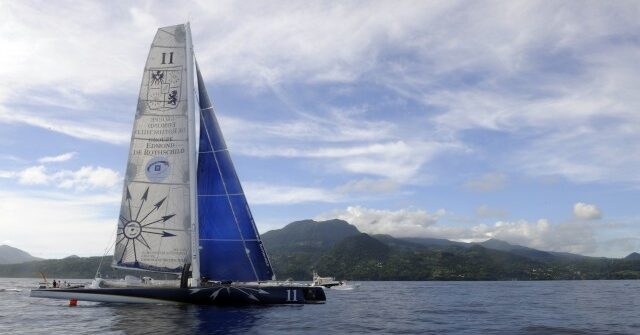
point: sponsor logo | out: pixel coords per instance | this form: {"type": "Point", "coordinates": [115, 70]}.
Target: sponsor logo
{"type": "Point", "coordinates": [163, 91]}
{"type": "Point", "coordinates": [157, 169]}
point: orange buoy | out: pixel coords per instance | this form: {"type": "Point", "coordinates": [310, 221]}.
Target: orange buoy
{"type": "Point", "coordinates": [73, 302]}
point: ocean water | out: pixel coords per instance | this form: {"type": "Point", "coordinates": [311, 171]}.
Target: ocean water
{"type": "Point", "coordinates": [550, 307]}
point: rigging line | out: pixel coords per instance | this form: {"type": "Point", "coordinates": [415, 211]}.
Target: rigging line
{"type": "Point", "coordinates": [107, 249]}
{"type": "Point", "coordinates": [261, 245]}
{"type": "Point", "coordinates": [233, 212]}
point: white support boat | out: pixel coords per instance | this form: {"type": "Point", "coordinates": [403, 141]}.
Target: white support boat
{"type": "Point", "coordinates": [324, 281]}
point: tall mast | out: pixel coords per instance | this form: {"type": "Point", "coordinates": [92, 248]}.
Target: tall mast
{"type": "Point", "coordinates": [193, 186]}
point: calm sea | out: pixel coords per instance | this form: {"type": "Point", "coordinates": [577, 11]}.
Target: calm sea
{"type": "Point", "coordinates": [553, 307]}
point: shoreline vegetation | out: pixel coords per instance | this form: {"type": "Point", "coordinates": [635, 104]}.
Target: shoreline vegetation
{"type": "Point", "coordinates": [336, 248]}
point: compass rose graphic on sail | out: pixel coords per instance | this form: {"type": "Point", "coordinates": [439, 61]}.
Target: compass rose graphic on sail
{"type": "Point", "coordinates": [164, 88]}
{"type": "Point", "coordinates": [137, 227]}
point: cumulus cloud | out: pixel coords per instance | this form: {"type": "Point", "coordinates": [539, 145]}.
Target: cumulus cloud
{"type": "Point", "coordinates": [34, 175]}
{"type": "Point", "coordinates": [87, 177]}
{"type": "Point", "coordinates": [541, 234]}
{"type": "Point", "coordinates": [368, 186]}
{"type": "Point", "coordinates": [268, 194]}
{"type": "Point", "coordinates": [59, 158]}
{"type": "Point", "coordinates": [403, 222]}
{"type": "Point", "coordinates": [585, 211]}
{"type": "Point", "coordinates": [567, 236]}
{"type": "Point", "coordinates": [87, 129]}
{"type": "Point", "coordinates": [40, 222]}
{"type": "Point", "coordinates": [487, 182]}
{"type": "Point", "coordinates": [398, 160]}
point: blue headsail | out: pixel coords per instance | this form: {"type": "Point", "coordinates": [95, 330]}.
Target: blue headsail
{"type": "Point", "coordinates": [230, 246]}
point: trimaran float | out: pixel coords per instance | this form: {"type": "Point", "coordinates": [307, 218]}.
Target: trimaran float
{"type": "Point", "coordinates": [183, 209]}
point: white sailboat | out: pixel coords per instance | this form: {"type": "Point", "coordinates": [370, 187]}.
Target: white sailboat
{"type": "Point", "coordinates": [183, 207]}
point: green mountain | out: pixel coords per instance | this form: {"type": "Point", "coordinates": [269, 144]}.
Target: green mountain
{"type": "Point", "coordinates": [633, 256]}
{"type": "Point", "coordinates": [295, 249]}
{"type": "Point", "coordinates": [336, 248]}
{"type": "Point", "coordinates": [358, 256]}
{"type": "Point", "coordinates": [11, 255]}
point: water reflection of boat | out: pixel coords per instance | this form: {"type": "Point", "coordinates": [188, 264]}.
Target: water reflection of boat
{"type": "Point", "coordinates": [345, 287]}
{"type": "Point", "coordinates": [186, 319]}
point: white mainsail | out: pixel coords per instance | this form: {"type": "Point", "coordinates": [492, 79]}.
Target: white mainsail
{"type": "Point", "coordinates": [154, 228]}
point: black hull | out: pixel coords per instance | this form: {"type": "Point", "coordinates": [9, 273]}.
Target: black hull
{"type": "Point", "coordinates": [216, 295]}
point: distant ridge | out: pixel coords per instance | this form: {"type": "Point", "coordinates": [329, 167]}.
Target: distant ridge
{"type": "Point", "coordinates": [337, 248]}
{"type": "Point", "coordinates": [11, 255]}
{"type": "Point", "coordinates": [633, 256]}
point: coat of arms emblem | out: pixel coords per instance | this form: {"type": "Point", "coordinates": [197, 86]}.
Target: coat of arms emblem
{"type": "Point", "coordinates": [164, 88]}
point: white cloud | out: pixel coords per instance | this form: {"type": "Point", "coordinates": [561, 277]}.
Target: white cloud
{"type": "Point", "coordinates": [542, 235]}
{"type": "Point", "coordinates": [103, 131]}
{"type": "Point", "coordinates": [59, 158]}
{"type": "Point", "coordinates": [34, 175]}
{"type": "Point", "coordinates": [584, 211]}
{"type": "Point", "coordinates": [338, 125]}
{"type": "Point", "coordinates": [407, 222]}
{"type": "Point", "coordinates": [7, 174]}
{"type": "Point", "coordinates": [403, 222]}
{"type": "Point", "coordinates": [87, 177]}
{"type": "Point", "coordinates": [399, 161]}
{"type": "Point", "coordinates": [487, 182]}
{"type": "Point", "coordinates": [342, 142]}
{"type": "Point", "coordinates": [40, 223]}
{"type": "Point", "coordinates": [266, 194]}
{"type": "Point", "coordinates": [368, 186]}
{"type": "Point", "coordinates": [586, 154]}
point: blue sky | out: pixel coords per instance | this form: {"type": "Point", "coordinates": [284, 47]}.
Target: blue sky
{"type": "Point", "coordinates": [459, 120]}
